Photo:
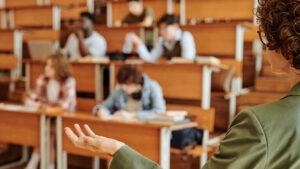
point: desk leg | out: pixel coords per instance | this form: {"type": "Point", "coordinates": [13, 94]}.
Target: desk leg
{"type": "Point", "coordinates": [96, 163]}
{"type": "Point", "coordinates": [43, 139]}
{"type": "Point", "coordinates": [65, 160]}
{"type": "Point", "coordinates": [61, 156]}
{"type": "Point", "coordinates": [232, 109]}
{"type": "Point", "coordinates": [165, 139]}
{"type": "Point", "coordinates": [205, 143]}
{"type": "Point", "coordinates": [206, 87]}
{"type": "Point", "coordinates": [59, 142]}
{"type": "Point", "coordinates": [111, 78]}
{"type": "Point", "coordinates": [48, 140]}
{"type": "Point", "coordinates": [99, 82]}
{"type": "Point", "coordinates": [27, 77]}
{"type": "Point", "coordinates": [25, 154]}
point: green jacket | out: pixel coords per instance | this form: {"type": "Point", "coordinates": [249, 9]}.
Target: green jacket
{"type": "Point", "coordinates": [263, 137]}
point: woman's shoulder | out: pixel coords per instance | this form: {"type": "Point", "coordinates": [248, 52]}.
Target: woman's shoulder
{"type": "Point", "coordinates": [271, 113]}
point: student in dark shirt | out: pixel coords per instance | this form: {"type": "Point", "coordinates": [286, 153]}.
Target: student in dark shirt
{"type": "Point", "coordinates": [138, 14]}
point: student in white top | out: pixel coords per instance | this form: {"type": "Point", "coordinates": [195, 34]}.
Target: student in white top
{"type": "Point", "coordinates": [173, 42]}
{"type": "Point", "coordinates": [85, 41]}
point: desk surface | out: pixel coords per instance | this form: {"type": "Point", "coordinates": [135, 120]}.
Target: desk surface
{"type": "Point", "coordinates": [20, 127]}
{"type": "Point", "coordinates": [133, 60]}
{"type": "Point", "coordinates": [144, 138]}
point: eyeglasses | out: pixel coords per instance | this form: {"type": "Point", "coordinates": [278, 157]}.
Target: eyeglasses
{"type": "Point", "coordinates": [263, 39]}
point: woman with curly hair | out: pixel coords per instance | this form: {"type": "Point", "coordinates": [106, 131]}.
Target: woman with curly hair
{"type": "Point", "coordinates": [263, 137]}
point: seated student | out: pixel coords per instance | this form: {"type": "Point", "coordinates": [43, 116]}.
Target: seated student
{"type": "Point", "coordinates": [56, 87]}
{"type": "Point", "coordinates": [173, 42]}
{"type": "Point", "coordinates": [136, 97]}
{"type": "Point", "coordinates": [85, 41]}
{"type": "Point", "coordinates": [138, 14]}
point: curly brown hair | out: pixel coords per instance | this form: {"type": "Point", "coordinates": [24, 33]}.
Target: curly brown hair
{"type": "Point", "coordinates": [280, 21]}
{"type": "Point", "coordinates": [61, 66]}
{"type": "Point", "coordinates": [130, 74]}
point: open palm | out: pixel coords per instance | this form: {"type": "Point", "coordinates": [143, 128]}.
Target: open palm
{"type": "Point", "coordinates": [91, 141]}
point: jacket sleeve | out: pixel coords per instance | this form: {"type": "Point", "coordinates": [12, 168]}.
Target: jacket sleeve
{"type": "Point", "coordinates": [126, 158]}
{"type": "Point", "coordinates": [244, 146]}
{"type": "Point", "coordinates": [158, 105]}
{"type": "Point", "coordinates": [188, 46]}
{"type": "Point", "coordinates": [109, 103]}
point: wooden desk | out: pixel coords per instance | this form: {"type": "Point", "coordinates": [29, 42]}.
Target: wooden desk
{"type": "Point", "coordinates": [222, 40]}
{"type": "Point", "coordinates": [11, 47]}
{"type": "Point", "coordinates": [134, 134]}
{"type": "Point", "coordinates": [36, 17]}
{"type": "Point", "coordinates": [116, 42]}
{"type": "Point", "coordinates": [215, 9]}
{"type": "Point", "coordinates": [25, 128]}
{"type": "Point", "coordinates": [88, 76]}
{"type": "Point", "coordinates": [178, 81]}
{"type": "Point", "coordinates": [184, 82]}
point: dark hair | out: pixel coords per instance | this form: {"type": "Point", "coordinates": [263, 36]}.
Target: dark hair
{"type": "Point", "coordinates": [129, 74]}
{"type": "Point", "coordinates": [280, 21]}
{"type": "Point", "coordinates": [134, 0]}
{"type": "Point", "coordinates": [89, 16]}
{"type": "Point", "coordinates": [168, 19]}
{"type": "Point", "coordinates": [61, 65]}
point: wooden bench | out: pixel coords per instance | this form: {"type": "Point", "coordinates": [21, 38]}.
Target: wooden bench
{"type": "Point", "coordinates": [8, 4]}
{"type": "Point", "coordinates": [41, 35]}
{"type": "Point", "coordinates": [86, 105]}
{"type": "Point", "coordinates": [27, 128]}
{"type": "Point", "coordinates": [10, 53]}
{"type": "Point", "coordinates": [115, 37]}
{"type": "Point", "coordinates": [35, 17]}
{"type": "Point", "coordinates": [225, 41]}
{"type": "Point", "coordinates": [69, 2]}
{"type": "Point", "coordinates": [214, 39]}
{"type": "Point", "coordinates": [73, 13]}
{"type": "Point", "coordinates": [178, 81]}
{"type": "Point", "coordinates": [8, 62]}
{"type": "Point", "coordinates": [241, 10]}
{"type": "Point", "coordinates": [157, 137]}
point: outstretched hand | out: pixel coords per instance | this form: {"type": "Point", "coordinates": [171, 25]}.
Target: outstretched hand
{"type": "Point", "coordinates": [91, 141]}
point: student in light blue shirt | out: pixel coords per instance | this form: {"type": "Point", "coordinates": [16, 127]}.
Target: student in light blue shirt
{"type": "Point", "coordinates": [173, 42]}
